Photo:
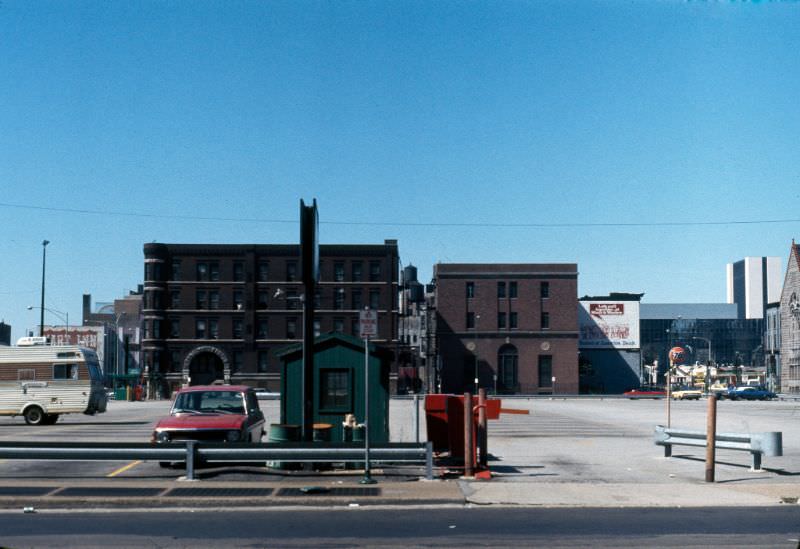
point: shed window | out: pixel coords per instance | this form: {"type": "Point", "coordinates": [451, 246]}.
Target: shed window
{"type": "Point", "coordinates": [334, 390]}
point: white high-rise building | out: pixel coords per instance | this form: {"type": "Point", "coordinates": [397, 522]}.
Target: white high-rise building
{"type": "Point", "coordinates": [753, 282]}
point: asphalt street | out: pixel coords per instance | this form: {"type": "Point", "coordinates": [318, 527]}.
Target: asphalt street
{"type": "Point", "coordinates": [390, 527]}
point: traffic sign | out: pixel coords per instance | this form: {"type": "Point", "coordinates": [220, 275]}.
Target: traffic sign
{"type": "Point", "coordinates": [368, 323]}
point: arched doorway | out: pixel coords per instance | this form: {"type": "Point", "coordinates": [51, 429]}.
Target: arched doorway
{"type": "Point", "coordinates": [205, 365]}
{"type": "Point", "coordinates": [507, 374]}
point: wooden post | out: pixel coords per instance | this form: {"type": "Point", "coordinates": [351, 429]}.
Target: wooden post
{"type": "Point", "coordinates": [469, 451]}
{"type": "Point", "coordinates": [483, 433]}
{"type": "Point", "coordinates": [711, 436]}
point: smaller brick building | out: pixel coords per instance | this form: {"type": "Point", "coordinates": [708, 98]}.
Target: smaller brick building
{"type": "Point", "coordinates": [513, 326]}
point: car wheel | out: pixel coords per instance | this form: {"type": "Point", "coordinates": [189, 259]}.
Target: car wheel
{"type": "Point", "coordinates": [50, 419]}
{"type": "Point", "coordinates": [34, 416]}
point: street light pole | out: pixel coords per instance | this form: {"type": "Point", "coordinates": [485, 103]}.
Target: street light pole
{"type": "Point", "coordinates": [41, 316]}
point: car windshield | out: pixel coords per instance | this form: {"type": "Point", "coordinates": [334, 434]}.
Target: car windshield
{"type": "Point", "coordinates": [217, 402]}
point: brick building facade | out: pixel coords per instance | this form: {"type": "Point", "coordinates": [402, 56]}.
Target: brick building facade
{"type": "Point", "coordinates": [515, 326]}
{"type": "Point", "coordinates": [223, 311]}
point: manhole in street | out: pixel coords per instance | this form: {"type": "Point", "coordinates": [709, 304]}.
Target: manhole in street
{"type": "Point", "coordinates": [339, 491]}
{"type": "Point", "coordinates": [219, 492]}
{"type": "Point", "coordinates": [25, 490]}
{"type": "Point", "coordinates": [112, 491]}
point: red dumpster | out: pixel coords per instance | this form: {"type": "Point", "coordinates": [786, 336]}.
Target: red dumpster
{"type": "Point", "coordinates": [436, 422]}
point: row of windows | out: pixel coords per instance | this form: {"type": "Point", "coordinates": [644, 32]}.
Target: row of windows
{"type": "Point", "coordinates": [209, 271]}
{"type": "Point", "coordinates": [210, 299]}
{"type": "Point", "coordinates": [507, 320]}
{"type": "Point", "coordinates": [508, 290]}
{"type": "Point", "coordinates": [208, 328]}
{"type": "Point", "coordinates": [508, 369]}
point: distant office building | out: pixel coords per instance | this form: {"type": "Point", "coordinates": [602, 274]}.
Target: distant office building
{"type": "Point", "coordinates": [710, 333]}
{"type": "Point", "coordinates": [754, 282]}
{"type": "Point", "coordinates": [222, 312]}
{"type": "Point", "coordinates": [609, 344]}
{"type": "Point", "coordinates": [790, 324]}
{"type": "Point", "coordinates": [514, 327]}
{"type": "Point", "coordinates": [5, 334]}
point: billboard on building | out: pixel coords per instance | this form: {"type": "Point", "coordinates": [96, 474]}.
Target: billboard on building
{"type": "Point", "coordinates": [609, 324]}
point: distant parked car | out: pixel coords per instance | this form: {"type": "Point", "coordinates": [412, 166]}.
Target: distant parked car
{"type": "Point", "coordinates": [212, 413]}
{"type": "Point", "coordinates": [747, 392]}
{"type": "Point", "coordinates": [686, 393]}
{"type": "Point", "coordinates": [652, 392]}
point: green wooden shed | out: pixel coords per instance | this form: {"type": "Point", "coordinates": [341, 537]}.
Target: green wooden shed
{"type": "Point", "coordinates": [338, 384]}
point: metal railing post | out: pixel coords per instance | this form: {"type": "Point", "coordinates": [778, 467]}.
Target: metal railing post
{"type": "Point", "coordinates": [429, 460]}
{"type": "Point", "coordinates": [190, 455]}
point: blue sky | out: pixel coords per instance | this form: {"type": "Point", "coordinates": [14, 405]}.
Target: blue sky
{"type": "Point", "coordinates": [469, 131]}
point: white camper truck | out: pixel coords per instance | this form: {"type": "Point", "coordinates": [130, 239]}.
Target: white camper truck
{"type": "Point", "coordinates": [41, 382]}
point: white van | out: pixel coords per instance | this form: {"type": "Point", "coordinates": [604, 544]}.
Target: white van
{"type": "Point", "coordinates": [41, 382]}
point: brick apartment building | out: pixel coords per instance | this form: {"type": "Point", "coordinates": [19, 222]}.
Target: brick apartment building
{"type": "Point", "coordinates": [515, 324]}
{"type": "Point", "coordinates": [223, 311]}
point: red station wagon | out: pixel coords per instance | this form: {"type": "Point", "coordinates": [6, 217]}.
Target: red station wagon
{"type": "Point", "coordinates": [213, 413]}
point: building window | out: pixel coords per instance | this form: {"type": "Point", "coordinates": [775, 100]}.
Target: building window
{"type": "Point", "coordinates": [263, 361]}
{"type": "Point", "coordinates": [317, 328]}
{"type": "Point", "coordinates": [291, 328]}
{"type": "Point", "coordinates": [213, 271]}
{"type": "Point", "coordinates": [174, 327]}
{"type": "Point", "coordinates": [374, 271]}
{"type": "Point", "coordinates": [317, 299]}
{"type": "Point", "coordinates": [375, 299]}
{"type": "Point", "coordinates": [512, 289]}
{"type": "Point", "coordinates": [507, 374]}
{"type": "Point", "coordinates": [338, 272]}
{"type": "Point", "coordinates": [545, 371]}
{"type": "Point", "coordinates": [334, 390]}
{"type": "Point", "coordinates": [213, 329]}
{"type": "Point", "coordinates": [263, 328]}
{"type": "Point", "coordinates": [355, 328]}
{"type": "Point", "coordinates": [357, 273]}
{"type": "Point", "coordinates": [470, 290]}
{"type": "Point", "coordinates": [545, 321]}
{"type": "Point", "coordinates": [501, 289]}
{"type": "Point", "coordinates": [152, 271]}
{"type": "Point", "coordinates": [262, 300]}
{"type": "Point", "coordinates": [175, 299]}
{"type": "Point", "coordinates": [470, 320]}
{"type": "Point", "coordinates": [292, 301]}
{"type": "Point", "coordinates": [201, 299]}
{"type": "Point", "coordinates": [237, 328]}
{"type": "Point", "coordinates": [512, 321]}
{"type": "Point", "coordinates": [238, 271]}
{"type": "Point", "coordinates": [176, 270]}
{"type": "Point", "coordinates": [291, 271]}
{"type": "Point", "coordinates": [238, 300]}
{"type": "Point", "coordinates": [357, 302]}
{"type": "Point", "coordinates": [338, 325]}
{"type": "Point", "coordinates": [175, 359]}
{"type": "Point", "coordinates": [156, 329]}
{"type": "Point", "coordinates": [201, 273]}
{"type": "Point", "coordinates": [544, 290]}
{"type": "Point", "coordinates": [338, 299]}
{"type": "Point", "coordinates": [501, 320]}
{"type": "Point", "coordinates": [213, 299]}
{"type": "Point", "coordinates": [263, 271]}
{"type": "Point", "coordinates": [238, 361]}
{"type": "Point", "coordinates": [200, 329]}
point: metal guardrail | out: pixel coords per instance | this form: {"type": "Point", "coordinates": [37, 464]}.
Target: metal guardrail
{"type": "Point", "coordinates": [758, 444]}
{"type": "Point", "coordinates": [191, 451]}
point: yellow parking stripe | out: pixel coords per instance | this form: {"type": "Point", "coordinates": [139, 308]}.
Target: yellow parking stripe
{"type": "Point", "coordinates": [124, 468]}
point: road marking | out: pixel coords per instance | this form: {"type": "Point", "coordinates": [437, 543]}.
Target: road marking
{"type": "Point", "coordinates": [124, 468]}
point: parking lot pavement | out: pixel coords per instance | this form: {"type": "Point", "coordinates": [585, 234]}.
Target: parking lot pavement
{"type": "Point", "coordinates": [567, 452]}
